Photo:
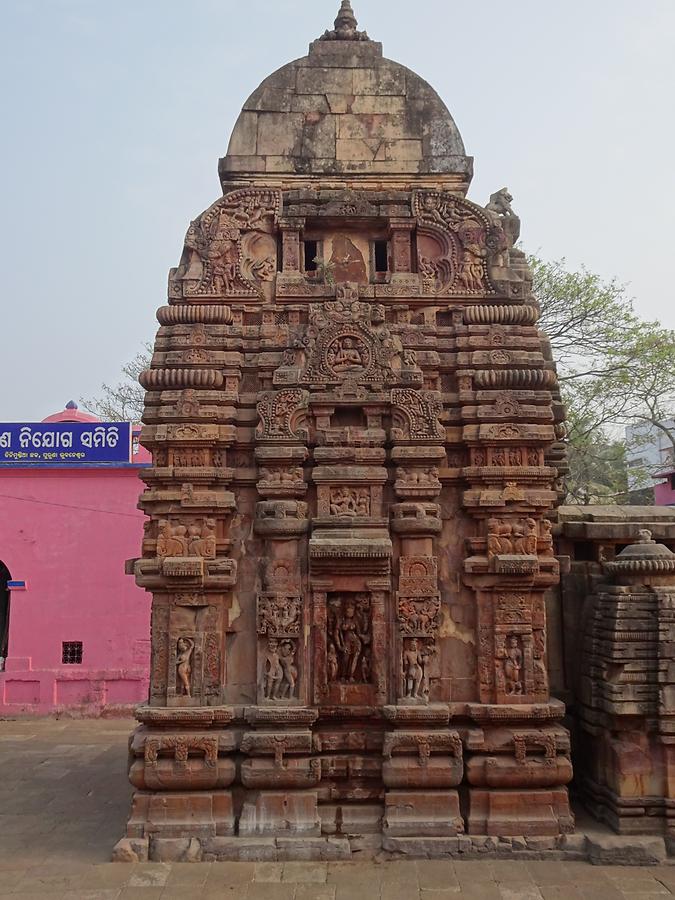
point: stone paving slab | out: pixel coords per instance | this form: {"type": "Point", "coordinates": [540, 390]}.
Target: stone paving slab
{"type": "Point", "coordinates": [64, 799]}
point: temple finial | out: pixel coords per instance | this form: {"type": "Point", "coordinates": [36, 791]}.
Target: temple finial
{"type": "Point", "coordinates": [345, 26]}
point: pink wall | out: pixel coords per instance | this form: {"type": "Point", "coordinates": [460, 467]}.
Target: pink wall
{"type": "Point", "coordinates": [67, 534]}
{"type": "Point", "coordinates": [664, 493]}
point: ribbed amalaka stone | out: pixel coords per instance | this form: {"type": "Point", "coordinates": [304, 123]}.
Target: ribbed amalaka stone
{"type": "Point", "coordinates": [355, 428]}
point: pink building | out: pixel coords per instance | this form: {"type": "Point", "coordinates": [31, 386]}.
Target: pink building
{"type": "Point", "coordinates": [664, 492]}
{"type": "Point", "coordinates": [74, 629]}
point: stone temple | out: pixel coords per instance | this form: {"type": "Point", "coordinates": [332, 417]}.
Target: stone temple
{"type": "Point", "coordinates": [356, 438]}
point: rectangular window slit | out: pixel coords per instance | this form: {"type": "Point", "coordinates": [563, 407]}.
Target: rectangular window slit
{"type": "Point", "coordinates": [311, 253]}
{"type": "Point", "coordinates": [71, 653]}
{"type": "Point", "coordinates": [381, 256]}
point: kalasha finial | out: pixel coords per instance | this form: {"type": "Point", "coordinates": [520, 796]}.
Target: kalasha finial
{"type": "Point", "coordinates": [71, 404]}
{"type": "Point", "coordinates": [345, 26]}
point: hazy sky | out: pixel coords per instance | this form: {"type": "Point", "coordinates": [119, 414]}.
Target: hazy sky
{"type": "Point", "coordinates": [114, 115]}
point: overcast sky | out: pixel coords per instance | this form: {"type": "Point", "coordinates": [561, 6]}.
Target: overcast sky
{"type": "Point", "coordinates": [114, 116]}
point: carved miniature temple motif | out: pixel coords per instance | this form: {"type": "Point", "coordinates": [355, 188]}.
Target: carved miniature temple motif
{"type": "Point", "coordinates": [627, 702]}
{"type": "Point", "coordinates": [356, 433]}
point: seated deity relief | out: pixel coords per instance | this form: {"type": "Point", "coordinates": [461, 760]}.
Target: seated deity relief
{"type": "Point", "coordinates": [195, 537]}
{"type": "Point", "coordinates": [518, 537]}
{"type": "Point", "coordinates": [351, 502]}
{"type": "Point", "coordinates": [347, 354]}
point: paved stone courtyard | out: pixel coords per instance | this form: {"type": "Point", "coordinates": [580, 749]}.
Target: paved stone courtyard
{"type": "Point", "coordinates": [63, 803]}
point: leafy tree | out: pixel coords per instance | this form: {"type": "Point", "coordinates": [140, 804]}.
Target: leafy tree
{"type": "Point", "coordinates": [614, 368]}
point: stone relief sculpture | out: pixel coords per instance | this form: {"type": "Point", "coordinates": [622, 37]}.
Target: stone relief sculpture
{"type": "Point", "coordinates": [350, 501]}
{"type": "Point", "coordinates": [501, 214]}
{"type": "Point", "coordinates": [512, 537]}
{"type": "Point", "coordinates": [184, 648]}
{"type": "Point", "coordinates": [418, 615]}
{"type": "Point", "coordinates": [453, 244]}
{"type": "Point", "coordinates": [280, 673]}
{"type": "Point", "coordinates": [229, 249]}
{"type": "Point", "coordinates": [415, 662]}
{"type": "Point", "coordinates": [178, 538]}
{"type": "Point", "coordinates": [357, 443]}
{"type": "Point", "coordinates": [350, 637]}
{"type": "Point", "coordinates": [345, 26]}
{"type": "Point", "coordinates": [513, 664]}
{"type": "Point", "coordinates": [279, 615]}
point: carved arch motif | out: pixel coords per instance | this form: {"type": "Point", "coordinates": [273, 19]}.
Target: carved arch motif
{"type": "Point", "coordinates": [455, 239]}
{"type": "Point", "coordinates": [230, 249]}
{"type": "Point", "coordinates": [282, 414]}
{"type": "Point", "coordinates": [416, 415]}
{"type": "Point", "coordinates": [347, 340]}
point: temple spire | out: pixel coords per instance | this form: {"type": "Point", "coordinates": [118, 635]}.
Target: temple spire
{"type": "Point", "coordinates": [345, 26]}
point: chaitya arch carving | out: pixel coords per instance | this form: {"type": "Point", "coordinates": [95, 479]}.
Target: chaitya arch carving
{"type": "Point", "coordinates": [230, 250]}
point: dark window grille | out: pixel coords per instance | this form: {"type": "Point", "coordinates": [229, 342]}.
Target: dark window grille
{"type": "Point", "coordinates": [71, 653]}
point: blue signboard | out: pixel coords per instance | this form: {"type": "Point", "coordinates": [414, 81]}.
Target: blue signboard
{"type": "Point", "coordinates": [65, 444]}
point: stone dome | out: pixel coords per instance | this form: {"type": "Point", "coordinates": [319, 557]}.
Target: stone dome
{"type": "Point", "coordinates": [345, 109]}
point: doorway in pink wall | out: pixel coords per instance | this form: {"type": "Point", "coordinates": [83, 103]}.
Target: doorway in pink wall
{"type": "Point", "coordinates": [4, 612]}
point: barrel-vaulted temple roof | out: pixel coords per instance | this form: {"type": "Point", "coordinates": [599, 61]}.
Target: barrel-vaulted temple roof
{"type": "Point", "coordinates": [345, 109]}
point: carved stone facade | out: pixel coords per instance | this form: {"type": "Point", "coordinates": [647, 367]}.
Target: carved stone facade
{"type": "Point", "coordinates": [626, 703]}
{"type": "Point", "coordinates": [356, 433]}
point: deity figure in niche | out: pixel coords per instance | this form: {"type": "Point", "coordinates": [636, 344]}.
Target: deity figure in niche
{"type": "Point", "coordinates": [224, 257]}
{"type": "Point", "coordinates": [513, 666]}
{"type": "Point", "coordinates": [333, 663]}
{"type": "Point", "coordinates": [415, 662]}
{"type": "Point", "coordinates": [289, 669]}
{"type": "Point", "coordinates": [184, 649]}
{"type": "Point", "coordinates": [273, 673]}
{"type": "Point", "coordinates": [349, 638]}
{"type": "Point", "coordinates": [471, 272]}
{"type": "Point", "coordinates": [280, 673]}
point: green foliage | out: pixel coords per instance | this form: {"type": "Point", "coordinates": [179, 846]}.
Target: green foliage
{"type": "Point", "coordinates": [325, 270]}
{"type": "Point", "coordinates": [615, 369]}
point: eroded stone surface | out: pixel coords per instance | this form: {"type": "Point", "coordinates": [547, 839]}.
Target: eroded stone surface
{"type": "Point", "coordinates": [355, 427]}
{"type": "Point", "coordinates": [626, 706]}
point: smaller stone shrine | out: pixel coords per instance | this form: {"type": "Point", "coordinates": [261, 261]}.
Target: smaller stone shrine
{"type": "Point", "coordinates": [626, 709]}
